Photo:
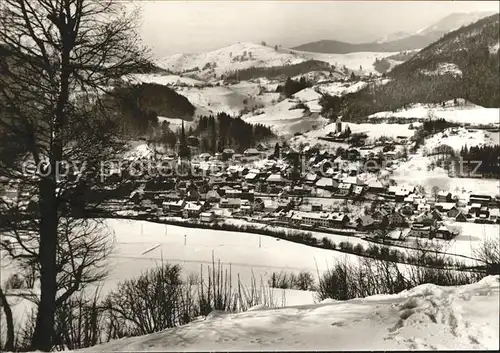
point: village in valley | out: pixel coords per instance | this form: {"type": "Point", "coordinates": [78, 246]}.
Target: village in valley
{"type": "Point", "coordinates": [345, 190]}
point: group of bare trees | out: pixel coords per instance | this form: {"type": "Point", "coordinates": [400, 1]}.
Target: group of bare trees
{"type": "Point", "coordinates": [58, 59]}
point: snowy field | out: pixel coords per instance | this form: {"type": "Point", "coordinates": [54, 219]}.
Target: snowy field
{"type": "Point", "coordinates": [414, 172]}
{"type": "Point", "coordinates": [216, 99]}
{"type": "Point", "coordinates": [341, 88]}
{"type": "Point", "coordinates": [165, 80]}
{"type": "Point", "coordinates": [309, 97]}
{"type": "Point", "coordinates": [140, 245]}
{"type": "Point", "coordinates": [461, 138]}
{"type": "Point", "coordinates": [374, 131]}
{"type": "Point", "coordinates": [427, 317]}
{"type": "Point", "coordinates": [284, 119]}
{"type": "Point", "coordinates": [361, 62]}
{"type": "Point", "coordinates": [462, 113]}
{"type": "Point", "coordinates": [211, 100]}
{"type": "Point", "coordinates": [471, 237]}
{"type": "Point", "coordinates": [247, 253]}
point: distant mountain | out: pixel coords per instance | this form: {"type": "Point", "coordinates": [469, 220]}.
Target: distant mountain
{"type": "Point", "coordinates": [454, 21]}
{"type": "Point", "coordinates": [394, 36]}
{"type": "Point", "coordinates": [462, 64]}
{"type": "Point", "coordinates": [338, 47]}
{"type": "Point", "coordinates": [398, 41]}
{"type": "Point", "coordinates": [460, 53]}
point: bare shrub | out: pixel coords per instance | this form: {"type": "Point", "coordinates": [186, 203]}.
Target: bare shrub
{"type": "Point", "coordinates": [149, 303]}
{"type": "Point", "coordinates": [160, 299]}
{"type": "Point", "coordinates": [80, 322]}
{"type": "Point", "coordinates": [489, 254]}
{"type": "Point", "coordinates": [217, 293]}
{"type": "Point", "coordinates": [303, 281]}
{"type": "Point", "coordinates": [370, 277]}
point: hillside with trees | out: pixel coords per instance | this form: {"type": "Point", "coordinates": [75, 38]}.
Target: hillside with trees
{"type": "Point", "coordinates": [279, 71]}
{"type": "Point", "coordinates": [141, 104]}
{"type": "Point", "coordinates": [223, 131]}
{"type": "Point", "coordinates": [293, 86]}
{"type": "Point", "coordinates": [469, 50]}
{"type": "Point", "coordinates": [489, 166]}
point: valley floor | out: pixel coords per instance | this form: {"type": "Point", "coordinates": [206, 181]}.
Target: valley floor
{"type": "Point", "coordinates": [426, 317]}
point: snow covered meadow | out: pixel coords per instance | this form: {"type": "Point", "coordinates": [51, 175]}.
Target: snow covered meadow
{"type": "Point", "coordinates": [462, 113]}
{"type": "Point", "coordinates": [425, 317]}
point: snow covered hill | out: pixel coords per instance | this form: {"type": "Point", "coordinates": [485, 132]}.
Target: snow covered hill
{"type": "Point", "coordinates": [234, 57]}
{"type": "Point", "coordinates": [426, 317]}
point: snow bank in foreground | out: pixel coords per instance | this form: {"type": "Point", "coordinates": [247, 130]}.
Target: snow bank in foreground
{"type": "Point", "coordinates": [426, 317]}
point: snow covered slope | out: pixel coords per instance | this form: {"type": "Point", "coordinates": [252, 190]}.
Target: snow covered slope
{"type": "Point", "coordinates": [360, 63]}
{"type": "Point", "coordinates": [164, 79]}
{"type": "Point", "coordinates": [216, 99]}
{"type": "Point", "coordinates": [234, 57]}
{"type": "Point", "coordinates": [284, 118]}
{"type": "Point", "coordinates": [426, 317]}
{"type": "Point", "coordinates": [210, 65]}
{"type": "Point", "coordinates": [463, 113]}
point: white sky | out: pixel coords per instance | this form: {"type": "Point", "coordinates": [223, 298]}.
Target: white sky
{"type": "Point", "coordinates": [170, 27]}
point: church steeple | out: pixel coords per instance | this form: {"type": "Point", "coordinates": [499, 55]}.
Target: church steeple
{"type": "Point", "coordinates": [338, 125]}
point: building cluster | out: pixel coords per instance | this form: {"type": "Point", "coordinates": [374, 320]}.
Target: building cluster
{"type": "Point", "coordinates": [282, 185]}
{"type": "Point", "coordinates": [270, 188]}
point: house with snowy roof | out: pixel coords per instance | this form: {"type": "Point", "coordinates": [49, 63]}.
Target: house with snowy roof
{"type": "Point", "coordinates": [229, 203]}
{"type": "Point", "coordinates": [461, 217]}
{"type": "Point", "coordinates": [327, 184]}
{"type": "Point", "coordinates": [444, 206]}
{"type": "Point", "coordinates": [276, 179]}
{"type": "Point", "coordinates": [193, 209]}
{"type": "Point", "coordinates": [344, 189]}
{"type": "Point", "coordinates": [174, 206]}
{"type": "Point", "coordinates": [252, 152]}
{"type": "Point", "coordinates": [353, 180]}
{"type": "Point", "coordinates": [311, 178]}
{"type": "Point", "coordinates": [251, 177]}
{"type": "Point", "coordinates": [212, 196]}
{"type": "Point", "coordinates": [375, 186]}
{"type": "Point", "coordinates": [444, 196]}
{"type": "Point", "coordinates": [205, 156]}
{"type": "Point", "coordinates": [366, 222]}
{"type": "Point", "coordinates": [446, 232]}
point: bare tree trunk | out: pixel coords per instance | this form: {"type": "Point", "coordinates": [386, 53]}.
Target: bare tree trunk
{"type": "Point", "coordinates": [44, 327]}
{"type": "Point", "coordinates": [9, 344]}
{"type": "Point", "coordinates": [62, 55]}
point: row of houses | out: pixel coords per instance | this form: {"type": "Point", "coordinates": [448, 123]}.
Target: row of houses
{"type": "Point", "coordinates": [314, 219]}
